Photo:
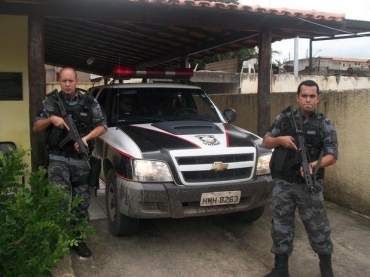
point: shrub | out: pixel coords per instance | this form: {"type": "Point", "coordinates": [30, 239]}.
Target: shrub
{"type": "Point", "coordinates": [36, 230]}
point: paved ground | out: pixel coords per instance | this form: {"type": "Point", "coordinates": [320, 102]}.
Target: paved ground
{"type": "Point", "coordinates": [215, 246]}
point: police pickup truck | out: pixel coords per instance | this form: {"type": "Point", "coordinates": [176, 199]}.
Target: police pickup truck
{"type": "Point", "coordinates": [170, 153]}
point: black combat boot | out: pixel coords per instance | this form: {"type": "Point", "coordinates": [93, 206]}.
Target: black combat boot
{"type": "Point", "coordinates": [281, 268]}
{"type": "Point", "coordinates": [325, 266]}
{"type": "Point", "coordinates": [82, 250]}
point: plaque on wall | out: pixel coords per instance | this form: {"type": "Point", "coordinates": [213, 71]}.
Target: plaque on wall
{"type": "Point", "coordinates": [11, 86]}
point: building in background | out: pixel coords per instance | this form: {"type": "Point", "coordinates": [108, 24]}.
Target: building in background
{"type": "Point", "coordinates": [329, 66]}
{"type": "Point", "coordinates": [52, 74]}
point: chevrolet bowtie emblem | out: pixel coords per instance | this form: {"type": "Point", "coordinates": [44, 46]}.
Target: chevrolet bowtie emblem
{"type": "Point", "coordinates": [219, 166]}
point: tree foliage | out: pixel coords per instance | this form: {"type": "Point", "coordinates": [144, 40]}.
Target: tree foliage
{"type": "Point", "coordinates": [36, 229]}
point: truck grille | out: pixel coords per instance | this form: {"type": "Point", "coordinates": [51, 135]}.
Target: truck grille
{"type": "Point", "coordinates": [196, 167]}
{"type": "Point", "coordinates": [216, 176]}
{"type": "Point", "coordinates": [215, 158]}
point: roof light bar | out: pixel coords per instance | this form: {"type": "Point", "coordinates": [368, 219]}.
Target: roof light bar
{"type": "Point", "coordinates": [152, 72]}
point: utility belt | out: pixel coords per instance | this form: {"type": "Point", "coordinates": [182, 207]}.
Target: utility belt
{"type": "Point", "coordinates": [66, 154]}
{"type": "Point", "coordinates": [291, 178]}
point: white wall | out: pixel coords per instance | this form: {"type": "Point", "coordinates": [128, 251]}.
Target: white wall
{"type": "Point", "coordinates": [289, 83]}
{"type": "Point", "coordinates": [347, 182]}
{"type": "Point", "coordinates": [14, 115]}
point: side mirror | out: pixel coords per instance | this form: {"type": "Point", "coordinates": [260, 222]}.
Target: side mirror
{"type": "Point", "coordinates": [229, 114]}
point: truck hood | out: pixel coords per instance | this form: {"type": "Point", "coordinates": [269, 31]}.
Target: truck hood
{"type": "Point", "coordinates": [172, 135]}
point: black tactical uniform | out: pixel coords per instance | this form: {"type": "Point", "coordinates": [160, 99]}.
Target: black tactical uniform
{"type": "Point", "coordinates": [289, 188]}
{"type": "Point", "coordinates": [66, 166]}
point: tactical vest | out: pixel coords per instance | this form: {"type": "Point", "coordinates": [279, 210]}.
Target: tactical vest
{"type": "Point", "coordinates": [82, 116]}
{"type": "Point", "coordinates": [286, 161]}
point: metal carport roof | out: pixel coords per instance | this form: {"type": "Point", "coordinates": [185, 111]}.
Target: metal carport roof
{"type": "Point", "coordinates": [164, 32]}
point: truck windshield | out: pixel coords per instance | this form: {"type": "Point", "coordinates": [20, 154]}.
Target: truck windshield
{"type": "Point", "coordinates": [162, 104]}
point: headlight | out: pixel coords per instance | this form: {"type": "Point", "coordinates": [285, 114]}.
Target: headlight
{"type": "Point", "coordinates": [151, 171]}
{"type": "Point", "coordinates": [263, 165]}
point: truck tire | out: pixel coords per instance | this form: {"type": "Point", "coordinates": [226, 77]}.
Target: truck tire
{"type": "Point", "coordinates": [119, 224]}
{"type": "Point", "coordinates": [248, 216]}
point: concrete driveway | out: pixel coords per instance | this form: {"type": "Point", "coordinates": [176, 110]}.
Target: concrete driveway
{"type": "Point", "coordinates": [215, 246]}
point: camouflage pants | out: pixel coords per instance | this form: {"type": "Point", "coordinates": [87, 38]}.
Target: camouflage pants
{"type": "Point", "coordinates": [73, 175]}
{"type": "Point", "coordinates": [286, 197]}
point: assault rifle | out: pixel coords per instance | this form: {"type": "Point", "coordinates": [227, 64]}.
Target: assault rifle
{"type": "Point", "coordinates": [303, 155]}
{"type": "Point", "coordinates": [73, 133]}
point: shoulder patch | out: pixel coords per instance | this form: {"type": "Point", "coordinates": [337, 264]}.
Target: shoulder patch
{"type": "Point", "coordinates": [88, 100]}
{"type": "Point", "coordinates": [328, 121]}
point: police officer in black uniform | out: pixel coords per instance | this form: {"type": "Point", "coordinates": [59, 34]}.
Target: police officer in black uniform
{"type": "Point", "coordinates": [289, 188]}
{"type": "Point", "coordinates": [66, 166]}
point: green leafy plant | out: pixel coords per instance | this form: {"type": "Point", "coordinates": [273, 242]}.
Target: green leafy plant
{"type": "Point", "coordinates": [38, 222]}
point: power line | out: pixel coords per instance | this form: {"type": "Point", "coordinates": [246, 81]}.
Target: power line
{"type": "Point", "coordinates": [335, 29]}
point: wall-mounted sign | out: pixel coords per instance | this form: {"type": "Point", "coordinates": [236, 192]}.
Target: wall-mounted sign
{"type": "Point", "coordinates": [11, 86]}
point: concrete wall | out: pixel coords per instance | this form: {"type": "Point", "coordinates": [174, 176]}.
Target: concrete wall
{"type": "Point", "coordinates": [230, 65]}
{"type": "Point", "coordinates": [14, 115]}
{"type": "Point", "coordinates": [289, 83]}
{"type": "Point", "coordinates": [233, 83]}
{"type": "Point", "coordinates": [347, 182]}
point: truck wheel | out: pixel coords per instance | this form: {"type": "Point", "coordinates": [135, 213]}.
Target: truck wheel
{"type": "Point", "coordinates": [248, 216]}
{"type": "Point", "coordinates": [119, 224]}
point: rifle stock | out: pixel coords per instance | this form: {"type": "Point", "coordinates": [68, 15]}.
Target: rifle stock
{"type": "Point", "coordinates": [303, 155]}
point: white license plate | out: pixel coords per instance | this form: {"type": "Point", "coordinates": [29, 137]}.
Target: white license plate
{"type": "Point", "coordinates": [220, 198]}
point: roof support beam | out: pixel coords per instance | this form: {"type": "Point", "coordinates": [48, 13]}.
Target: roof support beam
{"type": "Point", "coordinates": [310, 58]}
{"type": "Point", "coordinates": [342, 37]}
{"type": "Point", "coordinates": [37, 85]}
{"type": "Point", "coordinates": [264, 82]}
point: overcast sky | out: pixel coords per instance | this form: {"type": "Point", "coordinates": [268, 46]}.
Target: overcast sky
{"type": "Point", "coordinates": [347, 48]}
